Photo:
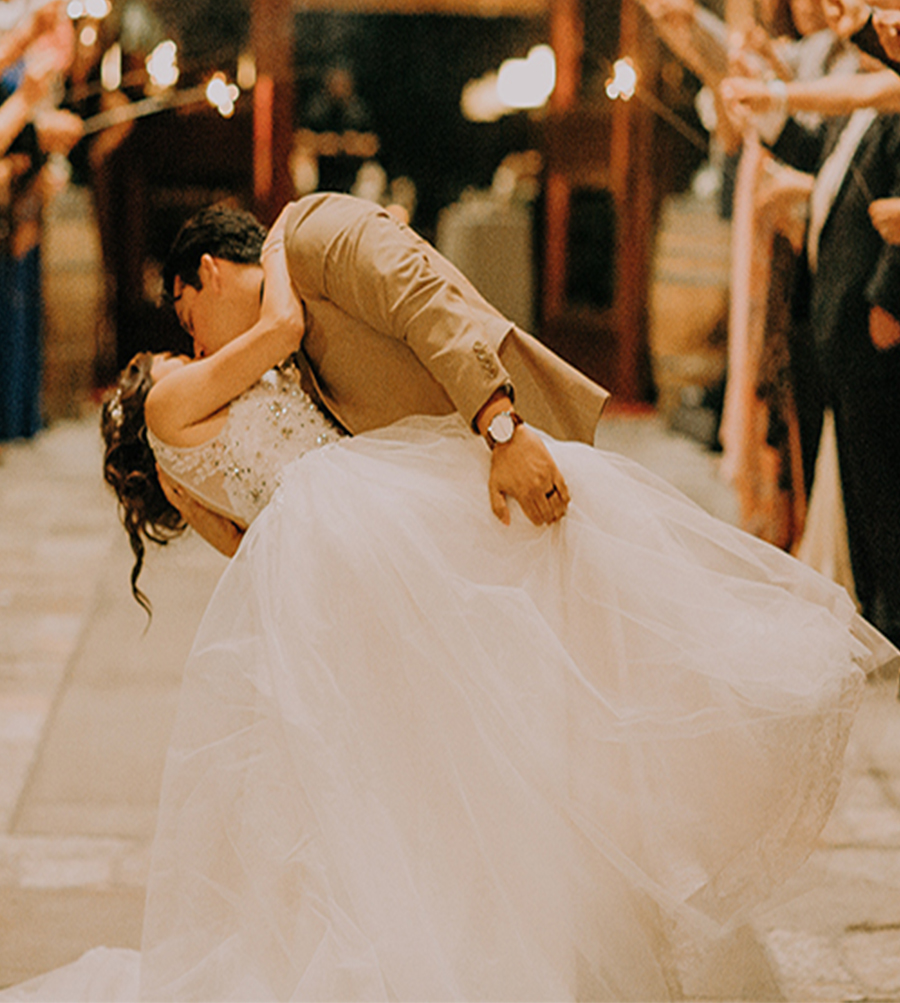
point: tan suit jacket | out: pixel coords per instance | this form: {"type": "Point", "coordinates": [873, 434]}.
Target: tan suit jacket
{"type": "Point", "coordinates": [393, 329]}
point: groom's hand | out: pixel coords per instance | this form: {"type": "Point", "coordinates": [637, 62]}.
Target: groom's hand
{"type": "Point", "coordinates": [524, 469]}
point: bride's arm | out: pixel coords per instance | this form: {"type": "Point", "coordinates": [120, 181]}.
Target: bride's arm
{"type": "Point", "coordinates": [187, 397]}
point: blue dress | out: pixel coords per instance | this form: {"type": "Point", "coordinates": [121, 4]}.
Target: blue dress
{"type": "Point", "coordinates": [21, 302]}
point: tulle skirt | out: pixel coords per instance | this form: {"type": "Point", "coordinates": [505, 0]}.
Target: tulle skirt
{"type": "Point", "coordinates": [421, 755]}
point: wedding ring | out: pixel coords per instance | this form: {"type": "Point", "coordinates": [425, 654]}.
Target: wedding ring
{"type": "Point", "coordinates": [549, 494]}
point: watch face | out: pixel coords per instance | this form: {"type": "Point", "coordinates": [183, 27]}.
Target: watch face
{"type": "Point", "coordinates": [502, 427]}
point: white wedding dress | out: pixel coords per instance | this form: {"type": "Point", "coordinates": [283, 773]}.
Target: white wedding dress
{"type": "Point", "coordinates": [421, 755]}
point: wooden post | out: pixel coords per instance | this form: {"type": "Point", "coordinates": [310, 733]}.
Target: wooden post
{"type": "Point", "coordinates": [566, 40]}
{"type": "Point", "coordinates": [272, 39]}
{"type": "Point", "coordinates": [631, 183]}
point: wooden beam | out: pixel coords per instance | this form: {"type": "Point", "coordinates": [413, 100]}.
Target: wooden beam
{"type": "Point", "coordinates": [567, 40]}
{"type": "Point", "coordinates": [631, 182]}
{"type": "Point", "coordinates": [470, 8]}
{"type": "Point", "coordinates": [272, 34]}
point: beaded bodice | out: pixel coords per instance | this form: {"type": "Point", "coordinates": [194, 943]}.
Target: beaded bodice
{"type": "Point", "coordinates": [268, 426]}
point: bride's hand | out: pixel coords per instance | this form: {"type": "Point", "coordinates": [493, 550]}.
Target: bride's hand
{"type": "Point", "coordinates": [280, 303]}
{"type": "Point", "coordinates": [275, 236]}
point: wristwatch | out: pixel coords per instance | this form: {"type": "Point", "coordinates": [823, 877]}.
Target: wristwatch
{"type": "Point", "coordinates": [501, 428]}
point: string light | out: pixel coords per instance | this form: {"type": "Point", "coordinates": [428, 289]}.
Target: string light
{"type": "Point", "coordinates": [529, 82]}
{"type": "Point", "coordinates": [222, 95]}
{"type": "Point", "coordinates": [623, 83]}
{"type": "Point", "coordinates": [111, 68]}
{"type": "Point", "coordinates": [162, 65]}
{"type": "Point", "coordinates": [96, 9]}
{"type": "Point", "coordinates": [163, 73]}
{"type": "Point", "coordinates": [518, 84]}
{"type": "Point", "coordinates": [480, 101]}
{"type": "Point", "coordinates": [246, 71]}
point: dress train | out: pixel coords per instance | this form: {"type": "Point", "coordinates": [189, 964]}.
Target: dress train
{"type": "Point", "coordinates": [422, 755]}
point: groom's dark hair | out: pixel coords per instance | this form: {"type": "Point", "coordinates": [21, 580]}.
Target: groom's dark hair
{"type": "Point", "coordinates": [219, 230]}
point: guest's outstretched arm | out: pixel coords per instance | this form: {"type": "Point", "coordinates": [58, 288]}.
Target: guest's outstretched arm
{"type": "Point", "coordinates": [829, 95]}
{"type": "Point", "coordinates": [15, 42]}
{"type": "Point", "coordinates": [17, 110]}
{"type": "Point", "coordinates": [883, 287]}
{"type": "Point", "coordinates": [694, 34]}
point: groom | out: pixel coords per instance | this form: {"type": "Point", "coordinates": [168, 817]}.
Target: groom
{"type": "Point", "coordinates": [392, 329]}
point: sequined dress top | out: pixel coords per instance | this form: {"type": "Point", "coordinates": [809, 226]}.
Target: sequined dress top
{"type": "Point", "coordinates": [268, 426]}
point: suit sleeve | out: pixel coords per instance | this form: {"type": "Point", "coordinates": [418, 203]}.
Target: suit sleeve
{"type": "Point", "coordinates": [883, 288]}
{"type": "Point", "coordinates": [380, 272]}
{"type": "Point", "coordinates": [800, 147]}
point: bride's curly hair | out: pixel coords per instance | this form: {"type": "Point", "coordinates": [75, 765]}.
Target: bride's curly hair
{"type": "Point", "coordinates": [130, 468]}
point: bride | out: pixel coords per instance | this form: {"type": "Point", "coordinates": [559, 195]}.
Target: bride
{"type": "Point", "coordinates": [424, 755]}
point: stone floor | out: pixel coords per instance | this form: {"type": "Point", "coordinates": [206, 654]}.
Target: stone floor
{"type": "Point", "coordinates": [88, 690]}
{"type": "Point", "coordinates": [87, 695]}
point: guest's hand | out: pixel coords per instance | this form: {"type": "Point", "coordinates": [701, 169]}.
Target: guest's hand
{"type": "Point", "coordinates": [845, 17]}
{"type": "Point", "coordinates": [524, 469]}
{"type": "Point", "coordinates": [884, 329]}
{"type": "Point", "coordinates": [674, 12]}
{"type": "Point", "coordinates": [745, 97]}
{"type": "Point", "coordinates": [885, 216]}
{"type": "Point", "coordinates": [753, 53]}
{"type": "Point", "coordinates": [57, 130]}
{"type": "Point", "coordinates": [45, 19]}
{"type": "Point", "coordinates": [887, 24]}
{"type": "Point", "coordinates": [218, 531]}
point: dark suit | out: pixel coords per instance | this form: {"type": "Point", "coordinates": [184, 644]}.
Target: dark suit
{"type": "Point", "coordinates": [867, 39]}
{"type": "Point", "coordinates": [838, 366]}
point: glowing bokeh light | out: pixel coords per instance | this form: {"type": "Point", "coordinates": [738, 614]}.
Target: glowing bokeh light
{"type": "Point", "coordinates": [96, 9]}
{"type": "Point", "coordinates": [162, 65]}
{"type": "Point", "coordinates": [87, 36]}
{"type": "Point", "coordinates": [480, 101]}
{"type": "Point", "coordinates": [246, 71]}
{"type": "Point", "coordinates": [222, 95]}
{"type": "Point", "coordinates": [111, 68]}
{"type": "Point", "coordinates": [623, 83]}
{"type": "Point", "coordinates": [529, 82]}
{"type": "Point", "coordinates": [519, 84]}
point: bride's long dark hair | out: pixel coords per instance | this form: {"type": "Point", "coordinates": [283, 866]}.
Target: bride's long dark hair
{"type": "Point", "coordinates": [130, 468]}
